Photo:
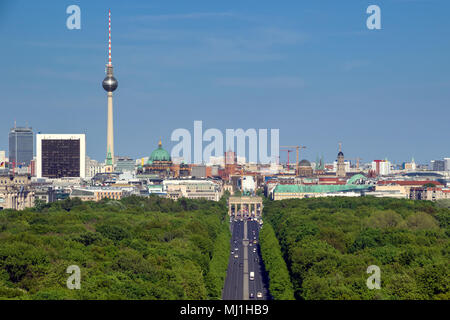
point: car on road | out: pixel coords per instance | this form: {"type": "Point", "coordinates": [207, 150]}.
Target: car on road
{"type": "Point", "coordinates": [252, 275]}
{"type": "Point", "coordinates": [259, 295]}
{"type": "Point", "coordinates": [236, 256]}
{"type": "Point", "coordinates": [254, 249]}
{"type": "Point", "coordinates": [232, 252]}
{"type": "Point", "coordinates": [236, 249]}
{"type": "Point", "coordinates": [252, 295]}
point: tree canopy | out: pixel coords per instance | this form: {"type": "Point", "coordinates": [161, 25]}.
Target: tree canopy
{"type": "Point", "coordinates": [135, 248]}
{"type": "Point", "coordinates": [328, 244]}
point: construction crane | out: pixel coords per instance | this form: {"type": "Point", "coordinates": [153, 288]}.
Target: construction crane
{"type": "Point", "coordinates": [297, 148]}
{"type": "Point", "coordinates": [288, 152]}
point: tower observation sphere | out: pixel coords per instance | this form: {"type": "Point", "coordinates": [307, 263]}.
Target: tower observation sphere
{"type": "Point", "coordinates": [110, 83]}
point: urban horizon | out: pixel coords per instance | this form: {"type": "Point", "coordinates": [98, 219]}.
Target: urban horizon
{"type": "Point", "coordinates": [279, 158]}
{"type": "Point", "coordinates": [367, 141]}
{"type": "Point", "coordinates": [225, 156]}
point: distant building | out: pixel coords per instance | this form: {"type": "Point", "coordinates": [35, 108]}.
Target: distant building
{"type": "Point", "coordinates": [21, 146]}
{"type": "Point", "coordinates": [340, 170]}
{"type": "Point", "coordinates": [198, 171]}
{"type": "Point", "coordinates": [16, 192]}
{"type": "Point", "coordinates": [193, 189]}
{"type": "Point", "coordinates": [45, 193]}
{"type": "Point", "coordinates": [347, 167]}
{"type": "Point", "coordinates": [60, 156]}
{"type": "Point", "coordinates": [296, 191]}
{"type": "Point", "coordinates": [93, 167]}
{"type": "Point", "coordinates": [412, 189]}
{"type": "Point", "coordinates": [305, 168]}
{"type": "Point", "coordinates": [437, 165]}
{"type": "Point", "coordinates": [409, 166]}
{"type": "Point", "coordinates": [381, 167]}
{"type": "Point", "coordinates": [447, 164]}
{"type": "Point", "coordinates": [99, 193]}
{"type": "Point", "coordinates": [156, 189]}
{"type": "Point", "coordinates": [125, 164]}
{"type": "Point", "coordinates": [427, 193]}
{"type": "Point", "coordinates": [160, 164]}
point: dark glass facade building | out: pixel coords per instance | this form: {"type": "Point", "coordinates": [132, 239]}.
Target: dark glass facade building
{"type": "Point", "coordinates": [60, 158]}
{"type": "Point", "coordinates": [21, 146]}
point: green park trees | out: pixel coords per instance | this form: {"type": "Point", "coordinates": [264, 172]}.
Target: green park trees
{"type": "Point", "coordinates": [136, 248]}
{"type": "Point", "coordinates": [328, 244]}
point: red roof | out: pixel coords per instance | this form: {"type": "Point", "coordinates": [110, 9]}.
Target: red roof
{"type": "Point", "coordinates": [409, 183]}
{"type": "Point", "coordinates": [328, 179]}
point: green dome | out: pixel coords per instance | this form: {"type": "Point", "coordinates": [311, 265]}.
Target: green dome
{"type": "Point", "coordinates": [159, 154]}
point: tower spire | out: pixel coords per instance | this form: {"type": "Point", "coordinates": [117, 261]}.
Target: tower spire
{"type": "Point", "coordinates": [109, 34]}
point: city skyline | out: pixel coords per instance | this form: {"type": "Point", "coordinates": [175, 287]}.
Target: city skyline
{"type": "Point", "coordinates": [186, 64]}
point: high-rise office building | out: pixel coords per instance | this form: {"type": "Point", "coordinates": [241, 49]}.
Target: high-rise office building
{"type": "Point", "coordinates": [20, 146]}
{"type": "Point", "coordinates": [60, 156]}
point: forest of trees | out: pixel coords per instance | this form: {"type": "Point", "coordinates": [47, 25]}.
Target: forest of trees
{"type": "Point", "coordinates": [135, 248]}
{"type": "Point", "coordinates": [328, 244]}
{"type": "Point", "coordinates": [280, 285]}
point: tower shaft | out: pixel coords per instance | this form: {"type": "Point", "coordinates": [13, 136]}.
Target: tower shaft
{"type": "Point", "coordinates": [110, 128]}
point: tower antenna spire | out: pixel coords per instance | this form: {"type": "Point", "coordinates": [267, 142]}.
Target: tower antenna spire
{"type": "Point", "coordinates": [109, 37]}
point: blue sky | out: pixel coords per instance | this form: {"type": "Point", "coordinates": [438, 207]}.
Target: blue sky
{"type": "Point", "coordinates": [309, 68]}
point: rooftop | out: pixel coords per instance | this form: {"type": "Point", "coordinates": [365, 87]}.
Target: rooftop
{"type": "Point", "coordinates": [318, 188]}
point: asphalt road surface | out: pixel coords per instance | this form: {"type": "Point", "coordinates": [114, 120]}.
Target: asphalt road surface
{"type": "Point", "coordinates": [234, 282]}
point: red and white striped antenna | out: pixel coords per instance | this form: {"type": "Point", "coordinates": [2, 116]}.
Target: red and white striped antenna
{"type": "Point", "coordinates": [109, 46]}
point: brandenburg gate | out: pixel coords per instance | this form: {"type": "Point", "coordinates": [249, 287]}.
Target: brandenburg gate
{"type": "Point", "coordinates": [245, 206]}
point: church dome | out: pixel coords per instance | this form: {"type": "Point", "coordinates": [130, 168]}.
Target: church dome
{"type": "Point", "coordinates": [159, 154]}
{"type": "Point", "coordinates": [304, 163]}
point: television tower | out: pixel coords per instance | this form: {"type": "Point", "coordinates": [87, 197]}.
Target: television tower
{"type": "Point", "coordinates": [110, 84]}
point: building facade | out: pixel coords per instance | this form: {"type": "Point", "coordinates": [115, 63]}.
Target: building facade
{"type": "Point", "coordinates": [16, 192]}
{"type": "Point", "coordinates": [99, 193]}
{"type": "Point", "coordinates": [437, 165]}
{"type": "Point", "coordinates": [60, 156]}
{"type": "Point", "coordinates": [193, 189]}
{"type": "Point", "coordinates": [125, 164]}
{"type": "Point", "coordinates": [21, 146]}
{"type": "Point", "coordinates": [340, 170]}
